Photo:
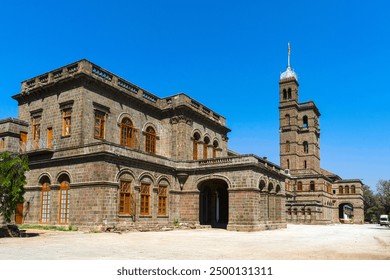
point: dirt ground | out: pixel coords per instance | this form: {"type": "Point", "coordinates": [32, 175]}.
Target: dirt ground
{"type": "Point", "coordinates": [297, 242]}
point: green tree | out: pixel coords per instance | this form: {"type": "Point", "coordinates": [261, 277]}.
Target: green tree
{"type": "Point", "coordinates": [12, 182]}
{"type": "Point", "coordinates": [383, 193]}
{"type": "Point", "coordinates": [371, 209]}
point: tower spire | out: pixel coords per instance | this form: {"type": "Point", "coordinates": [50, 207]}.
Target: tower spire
{"type": "Point", "coordinates": [289, 73]}
{"type": "Point", "coordinates": [288, 54]}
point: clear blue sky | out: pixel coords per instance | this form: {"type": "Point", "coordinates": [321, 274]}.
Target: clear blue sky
{"type": "Point", "coordinates": [227, 55]}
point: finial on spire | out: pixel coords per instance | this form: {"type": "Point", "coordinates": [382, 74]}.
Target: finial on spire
{"type": "Point", "coordinates": [288, 52]}
{"type": "Point", "coordinates": [289, 73]}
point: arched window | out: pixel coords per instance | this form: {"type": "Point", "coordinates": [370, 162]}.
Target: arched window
{"type": "Point", "coordinates": [215, 147]}
{"type": "Point", "coordinates": [347, 189]}
{"type": "Point", "coordinates": [312, 186]}
{"type": "Point", "coordinates": [305, 121]}
{"type": "Point", "coordinates": [150, 140]}
{"type": "Point", "coordinates": [289, 93]}
{"type": "Point", "coordinates": [353, 189]}
{"type": "Point", "coordinates": [195, 145]}
{"type": "Point", "coordinates": [305, 164]}
{"type": "Point", "coordinates": [126, 198]}
{"type": "Point", "coordinates": [308, 211]}
{"type": "Point", "coordinates": [288, 164]}
{"type": "Point", "coordinates": [303, 211]}
{"type": "Point", "coordinates": [45, 200]}
{"type": "Point", "coordinates": [287, 146]}
{"type": "Point", "coordinates": [64, 199]}
{"type": "Point", "coordinates": [205, 147]}
{"type": "Point", "coordinates": [127, 133]}
{"type": "Point", "coordinates": [341, 190]}
{"type": "Point", "coordinates": [145, 199]}
{"type": "Point", "coordinates": [162, 200]}
{"type": "Point", "coordinates": [262, 185]}
{"type": "Point", "coordinates": [299, 186]}
{"type": "Point", "coordinates": [284, 94]}
{"type": "Point", "coordinates": [305, 147]}
{"type": "Point", "coordinates": [295, 211]}
{"type": "Point", "coordinates": [270, 186]}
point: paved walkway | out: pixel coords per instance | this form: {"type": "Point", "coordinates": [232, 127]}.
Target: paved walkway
{"type": "Point", "coordinates": [297, 242]}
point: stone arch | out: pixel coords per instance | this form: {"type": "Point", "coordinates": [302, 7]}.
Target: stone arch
{"type": "Point", "coordinates": [123, 115]}
{"type": "Point", "coordinates": [213, 201]}
{"type": "Point", "coordinates": [163, 180]}
{"type": "Point", "coordinates": [214, 177]}
{"type": "Point", "coordinates": [197, 131]}
{"type": "Point", "coordinates": [63, 173]}
{"type": "Point", "coordinates": [124, 172]}
{"type": "Point", "coordinates": [278, 188]}
{"type": "Point", "coordinates": [150, 124]}
{"type": "Point", "coordinates": [44, 177]}
{"type": "Point", "coordinates": [346, 211]}
{"type": "Point", "coordinates": [146, 177]}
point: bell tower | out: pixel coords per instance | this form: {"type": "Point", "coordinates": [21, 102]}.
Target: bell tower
{"type": "Point", "coordinates": [298, 127]}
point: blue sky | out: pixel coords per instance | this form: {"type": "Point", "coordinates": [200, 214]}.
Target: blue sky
{"type": "Point", "coordinates": [228, 55]}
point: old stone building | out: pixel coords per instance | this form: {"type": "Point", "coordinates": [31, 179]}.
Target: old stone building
{"type": "Point", "coordinates": [106, 153]}
{"type": "Point", "coordinates": [313, 195]}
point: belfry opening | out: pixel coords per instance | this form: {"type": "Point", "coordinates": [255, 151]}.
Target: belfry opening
{"type": "Point", "coordinates": [214, 203]}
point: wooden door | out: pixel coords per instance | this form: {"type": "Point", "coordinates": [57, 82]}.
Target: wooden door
{"type": "Point", "coordinates": [19, 214]}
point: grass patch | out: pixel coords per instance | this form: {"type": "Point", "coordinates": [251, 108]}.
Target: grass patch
{"type": "Point", "coordinates": [47, 227]}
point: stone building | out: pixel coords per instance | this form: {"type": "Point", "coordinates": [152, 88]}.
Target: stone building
{"type": "Point", "coordinates": [313, 195]}
{"type": "Point", "coordinates": [106, 153]}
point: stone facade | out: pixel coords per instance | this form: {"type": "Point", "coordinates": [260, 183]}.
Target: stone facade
{"type": "Point", "coordinates": [105, 153]}
{"type": "Point", "coordinates": [313, 195]}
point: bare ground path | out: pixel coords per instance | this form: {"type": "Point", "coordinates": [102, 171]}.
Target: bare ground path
{"type": "Point", "coordinates": [297, 242]}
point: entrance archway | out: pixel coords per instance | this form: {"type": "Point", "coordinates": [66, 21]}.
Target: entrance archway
{"type": "Point", "coordinates": [345, 212]}
{"type": "Point", "coordinates": [214, 203]}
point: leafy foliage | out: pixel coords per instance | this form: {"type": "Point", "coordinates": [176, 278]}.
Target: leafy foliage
{"type": "Point", "coordinates": [371, 210]}
{"type": "Point", "coordinates": [12, 182]}
{"type": "Point", "coordinates": [383, 193]}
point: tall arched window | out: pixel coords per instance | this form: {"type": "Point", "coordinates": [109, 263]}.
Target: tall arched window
{"type": "Point", "coordinates": [347, 189]}
{"type": "Point", "coordinates": [289, 93]}
{"type": "Point", "coordinates": [215, 147]}
{"type": "Point", "coordinates": [299, 186]}
{"type": "Point", "coordinates": [126, 198]}
{"type": "Point", "coordinates": [353, 189]}
{"type": "Point", "coordinates": [312, 186]}
{"type": "Point", "coordinates": [162, 200]}
{"type": "Point", "coordinates": [127, 132]}
{"type": "Point", "coordinates": [205, 147]}
{"type": "Point", "coordinates": [45, 200]}
{"type": "Point", "coordinates": [284, 94]}
{"type": "Point", "coordinates": [341, 190]}
{"type": "Point", "coordinates": [64, 199]}
{"type": "Point", "coordinates": [195, 145]}
{"type": "Point", "coordinates": [145, 199]}
{"type": "Point", "coordinates": [305, 121]}
{"type": "Point", "coordinates": [150, 140]}
{"type": "Point", "coordinates": [305, 147]}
